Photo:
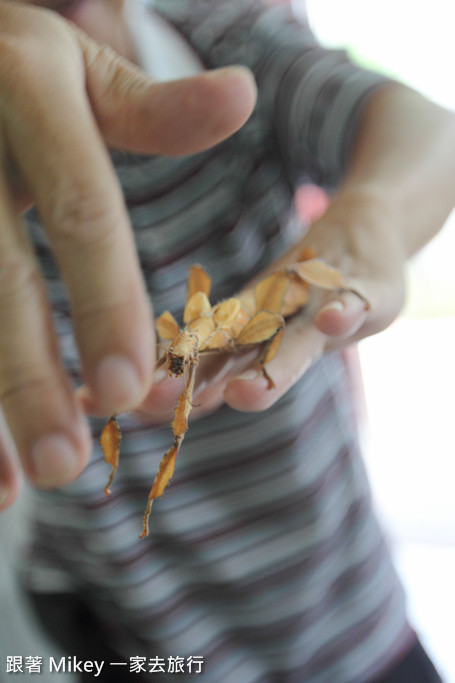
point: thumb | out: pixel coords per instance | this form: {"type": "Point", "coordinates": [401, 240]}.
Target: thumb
{"type": "Point", "coordinates": [176, 117]}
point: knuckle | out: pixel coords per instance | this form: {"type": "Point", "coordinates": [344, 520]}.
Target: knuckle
{"type": "Point", "coordinates": [118, 76]}
{"type": "Point", "coordinates": [15, 66]}
{"type": "Point", "coordinates": [111, 79]}
{"type": "Point", "coordinates": [15, 388]}
{"type": "Point", "coordinates": [98, 56]}
{"type": "Point", "coordinates": [19, 276]}
{"type": "Point", "coordinates": [82, 220]}
{"type": "Point", "coordinates": [24, 48]}
{"type": "Point", "coordinates": [98, 320]}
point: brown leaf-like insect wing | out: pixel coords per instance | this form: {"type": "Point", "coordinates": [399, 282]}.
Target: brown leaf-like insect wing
{"type": "Point", "coordinates": [198, 281]}
{"type": "Point", "coordinates": [318, 273]}
{"type": "Point", "coordinates": [270, 292]}
{"type": "Point", "coordinates": [220, 340]}
{"type": "Point", "coordinates": [225, 313]}
{"type": "Point", "coordinates": [297, 296]}
{"type": "Point", "coordinates": [262, 326]}
{"type": "Point", "coordinates": [202, 328]}
{"type": "Point", "coordinates": [306, 253]}
{"type": "Point", "coordinates": [197, 306]}
{"type": "Point", "coordinates": [167, 326]}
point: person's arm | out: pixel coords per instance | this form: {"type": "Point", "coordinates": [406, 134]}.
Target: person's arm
{"type": "Point", "coordinates": [384, 153]}
{"type": "Point", "coordinates": [398, 190]}
{"type": "Point", "coordinates": [63, 98]}
{"type": "Point", "coordinates": [404, 158]}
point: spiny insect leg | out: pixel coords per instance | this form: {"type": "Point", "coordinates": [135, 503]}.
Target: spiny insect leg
{"type": "Point", "coordinates": [110, 440]}
{"type": "Point", "coordinates": [264, 328]}
{"type": "Point", "coordinates": [167, 464]}
{"type": "Point", "coordinates": [269, 352]}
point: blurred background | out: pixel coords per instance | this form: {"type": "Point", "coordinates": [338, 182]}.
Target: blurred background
{"type": "Point", "coordinates": [408, 370]}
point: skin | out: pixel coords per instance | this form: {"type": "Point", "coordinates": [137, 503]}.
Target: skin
{"type": "Point", "coordinates": [403, 155]}
{"type": "Point", "coordinates": [88, 89]}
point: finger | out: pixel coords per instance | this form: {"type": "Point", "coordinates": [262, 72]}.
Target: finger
{"type": "Point", "coordinates": [80, 203]}
{"type": "Point", "coordinates": [349, 317]}
{"type": "Point", "coordinates": [177, 117]}
{"type": "Point", "coordinates": [215, 369]}
{"type": "Point", "coordinates": [302, 345]}
{"type": "Point", "coordinates": [180, 117]}
{"type": "Point", "coordinates": [159, 404]}
{"type": "Point", "coordinates": [10, 473]}
{"type": "Point", "coordinates": [212, 374]}
{"type": "Point", "coordinates": [45, 423]}
{"type": "Point", "coordinates": [343, 316]}
{"type": "Point", "coordinates": [216, 372]}
{"type": "Point", "coordinates": [77, 194]}
{"type": "Point", "coordinates": [161, 400]}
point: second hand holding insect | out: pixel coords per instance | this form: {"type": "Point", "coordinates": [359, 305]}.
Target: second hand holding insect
{"type": "Point", "coordinates": [255, 317]}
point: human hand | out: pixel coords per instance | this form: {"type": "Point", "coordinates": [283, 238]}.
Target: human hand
{"type": "Point", "coordinates": [357, 236]}
{"type": "Point", "coordinates": [402, 155]}
{"type": "Point", "coordinates": [63, 99]}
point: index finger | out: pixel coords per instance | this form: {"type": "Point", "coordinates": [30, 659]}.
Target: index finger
{"type": "Point", "coordinates": [52, 114]}
{"type": "Point", "coordinates": [303, 344]}
{"type": "Point", "coordinates": [63, 159]}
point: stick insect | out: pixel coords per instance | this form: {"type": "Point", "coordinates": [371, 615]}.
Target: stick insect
{"type": "Point", "coordinates": [256, 317]}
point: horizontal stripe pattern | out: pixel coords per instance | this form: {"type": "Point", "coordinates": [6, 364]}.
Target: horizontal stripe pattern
{"type": "Point", "coordinates": [264, 554]}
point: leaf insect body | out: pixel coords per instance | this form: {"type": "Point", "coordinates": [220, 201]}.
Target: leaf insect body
{"type": "Point", "coordinates": [255, 317]}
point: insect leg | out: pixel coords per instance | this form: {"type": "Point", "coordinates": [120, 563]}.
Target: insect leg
{"type": "Point", "coordinates": [264, 328]}
{"type": "Point", "coordinates": [110, 439]}
{"type": "Point", "coordinates": [167, 464]}
{"type": "Point", "coordinates": [269, 351]}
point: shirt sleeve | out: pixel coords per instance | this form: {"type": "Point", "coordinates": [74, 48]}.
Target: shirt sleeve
{"type": "Point", "coordinates": [312, 96]}
{"type": "Point", "coordinates": [316, 95]}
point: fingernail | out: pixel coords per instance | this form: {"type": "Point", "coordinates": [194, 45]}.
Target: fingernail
{"type": "Point", "coordinates": [84, 395]}
{"type": "Point", "coordinates": [237, 69]}
{"type": "Point", "coordinates": [160, 376]}
{"type": "Point", "coordinates": [54, 460]}
{"type": "Point", "coordinates": [332, 306]}
{"type": "Point", "coordinates": [118, 384]}
{"type": "Point", "coordinates": [248, 375]}
{"type": "Point", "coordinates": [199, 388]}
{"type": "Point", "coordinates": [223, 71]}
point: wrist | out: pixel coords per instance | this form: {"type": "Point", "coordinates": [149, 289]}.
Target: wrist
{"type": "Point", "coordinates": [403, 156]}
{"type": "Point", "coordinates": [361, 222]}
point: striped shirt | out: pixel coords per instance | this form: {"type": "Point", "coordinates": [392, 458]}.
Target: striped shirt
{"type": "Point", "coordinates": [264, 556]}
